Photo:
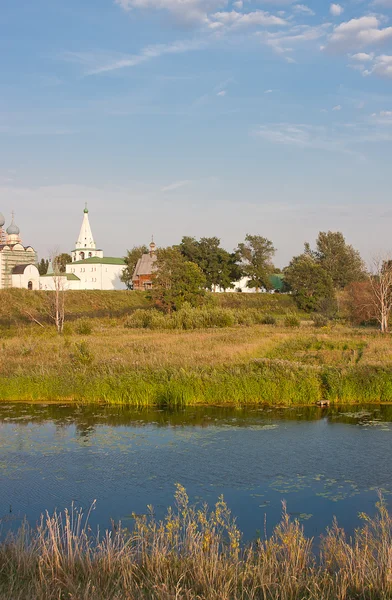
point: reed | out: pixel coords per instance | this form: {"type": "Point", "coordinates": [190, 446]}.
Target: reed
{"type": "Point", "coordinates": [101, 360]}
{"type": "Point", "coordinates": [194, 553]}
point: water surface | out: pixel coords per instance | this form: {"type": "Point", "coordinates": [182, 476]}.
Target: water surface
{"type": "Point", "coordinates": [323, 462]}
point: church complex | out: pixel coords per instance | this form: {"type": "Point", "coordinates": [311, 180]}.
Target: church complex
{"type": "Point", "coordinates": [89, 269]}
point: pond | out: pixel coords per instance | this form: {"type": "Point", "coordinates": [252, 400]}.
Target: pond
{"type": "Point", "coordinates": [323, 462]}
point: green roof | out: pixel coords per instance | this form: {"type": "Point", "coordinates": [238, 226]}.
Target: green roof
{"type": "Point", "coordinates": [69, 276]}
{"type": "Point", "coordinates": [96, 260]}
{"type": "Point", "coordinates": [72, 277]}
{"type": "Point", "coordinates": [276, 281]}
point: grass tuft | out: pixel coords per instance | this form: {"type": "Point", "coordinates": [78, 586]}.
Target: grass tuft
{"type": "Point", "coordinates": [193, 553]}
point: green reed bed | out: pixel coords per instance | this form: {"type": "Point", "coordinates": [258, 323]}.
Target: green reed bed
{"type": "Point", "coordinates": [194, 553]}
{"type": "Point", "coordinates": [269, 382]}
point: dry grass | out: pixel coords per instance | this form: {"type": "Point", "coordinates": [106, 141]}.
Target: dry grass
{"type": "Point", "coordinates": [32, 350]}
{"type": "Point", "coordinates": [106, 361]}
{"type": "Point", "coordinates": [195, 553]}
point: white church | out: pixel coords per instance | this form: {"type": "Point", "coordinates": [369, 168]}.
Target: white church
{"type": "Point", "coordinates": [89, 269]}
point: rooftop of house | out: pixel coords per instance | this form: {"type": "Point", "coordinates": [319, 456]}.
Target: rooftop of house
{"type": "Point", "coordinates": [96, 260]}
{"type": "Point", "coordinates": [69, 276]}
{"type": "Point", "coordinates": [145, 265]}
{"type": "Point", "coordinates": [19, 269]}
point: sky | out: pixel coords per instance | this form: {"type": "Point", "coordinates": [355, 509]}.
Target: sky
{"type": "Point", "coordinates": [197, 117]}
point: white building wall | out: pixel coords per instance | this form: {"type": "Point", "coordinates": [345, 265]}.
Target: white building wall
{"type": "Point", "coordinates": [30, 274]}
{"type": "Point", "coordinates": [242, 285]}
{"type": "Point", "coordinates": [97, 276]}
{"type": "Point", "coordinates": [48, 282]}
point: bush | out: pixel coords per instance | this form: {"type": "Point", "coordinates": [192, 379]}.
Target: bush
{"type": "Point", "coordinates": [82, 354]}
{"type": "Point", "coordinates": [320, 320]}
{"type": "Point", "coordinates": [146, 319]}
{"type": "Point", "coordinates": [67, 329]}
{"type": "Point", "coordinates": [269, 320]}
{"type": "Point", "coordinates": [84, 327]}
{"type": "Point", "coordinates": [291, 320]}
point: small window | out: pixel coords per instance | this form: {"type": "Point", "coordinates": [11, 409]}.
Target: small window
{"type": "Point", "coordinates": [30, 285]}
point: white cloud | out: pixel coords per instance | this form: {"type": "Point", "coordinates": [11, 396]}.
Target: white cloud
{"type": "Point", "coordinates": [382, 66]}
{"type": "Point", "coordinates": [358, 33]}
{"type": "Point", "coordinates": [268, 91]}
{"type": "Point", "coordinates": [362, 57]}
{"type": "Point", "coordinates": [334, 138]}
{"type": "Point", "coordinates": [221, 93]}
{"type": "Point", "coordinates": [337, 108]}
{"type": "Point", "coordinates": [239, 4]}
{"type": "Point", "coordinates": [336, 10]}
{"type": "Point", "coordinates": [97, 63]}
{"type": "Point", "coordinates": [282, 42]}
{"type": "Point", "coordinates": [235, 19]}
{"type": "Point", "coordinates": [384, 117]}
{"type": "Point", "coordinates": [305, 10]}
{"type": "Point", "coordinates": [187, 11]}
{"type": "Point", "coordinates": [176, 185]}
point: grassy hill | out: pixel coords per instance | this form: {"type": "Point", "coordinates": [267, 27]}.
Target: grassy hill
{"type": "Point", "coordinates": [18, 306]}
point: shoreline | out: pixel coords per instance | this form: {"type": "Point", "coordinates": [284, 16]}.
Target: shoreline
{"type": "Point", "coordinates": [266, 382]}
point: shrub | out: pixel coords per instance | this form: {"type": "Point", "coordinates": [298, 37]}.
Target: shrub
{"type": "Point", "coordinates": [146, 319]}
{"type": "Point", "coordinates": [82, 354]}
{"type": "Point", "coordinates": [67, 329]}
{"type": "Point", "coordinates": [291, 320]}
{"type": "Point", "coordinates": [269, 320]}
{"type": "Point", "coordinates": [84, 327]}
{"type": "Point", "coordinates": [320, 320]}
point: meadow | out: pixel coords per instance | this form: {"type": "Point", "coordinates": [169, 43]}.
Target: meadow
{"type": "Point", "coordinates": [238, 349]}
{"type": "Point", "coordinates": [195, 552]}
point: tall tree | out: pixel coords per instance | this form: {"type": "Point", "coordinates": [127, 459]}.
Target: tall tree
{"type": "Point", "coordinates": [43, 266]}
{"type": "Point", "coordinates": [60, 261]}
{"type": "Point", "coordinates": [219, 266]}
{"type": "Point", "coordinates": [256, 255]}
{"type": "Point", "coordinates": [176, 281]}
{"type": "Point", "coordinates": [340, 260]}
{"type": "Point", "coordinates": [310, 284]}
{"type": "Point", "coordinates": [381, 291]}
{"type": "Point", "coordinates": [131, 259]}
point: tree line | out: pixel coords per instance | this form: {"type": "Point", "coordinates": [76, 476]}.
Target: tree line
{"type": "Point", "coordinates": [319, 278]}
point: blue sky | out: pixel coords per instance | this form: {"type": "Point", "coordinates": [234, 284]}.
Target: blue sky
{"type": "Point", "coordinates": [197, 117]}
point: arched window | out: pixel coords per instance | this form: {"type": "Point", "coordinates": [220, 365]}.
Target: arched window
{"type": "Point", "coordinates": [90, 254]}
{"type": "Point", "coordinates": [82, 256]}
{"type": "Point", "coordinates": [30, 285]}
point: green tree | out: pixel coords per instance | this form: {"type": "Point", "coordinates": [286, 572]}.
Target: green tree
{"type": "Point", "coordinates": [176, 281]}
{"type": "Point", "coordinates": [219, 266]}
{"type": "Point", "coordinates": [310, 284]}
{"type": "Point", "coordinates": [190, 249]}
{"type": "Point", "coordinates": [131, 259]}
{"type": "Point", "coordinates": [61, 260]}
{"type": "Point", "coordinates": [340, 260]}
{"type": "Point", "coordinates": [43, 266]}
{"type": "Point", "coordinates": [256, 255]}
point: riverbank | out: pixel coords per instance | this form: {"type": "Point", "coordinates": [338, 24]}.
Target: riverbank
{"type": "Point", "coordinates": [194, 553]}
{"type": "Point", "coordinates": [103, 360]}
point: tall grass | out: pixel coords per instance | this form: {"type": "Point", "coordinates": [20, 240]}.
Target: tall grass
{"type": "Point", "coordinates": [194, 553]}
{"type": "Point", "coordinates": [206, 317]}
{"type": "Point", "coordinates": [263, 382]}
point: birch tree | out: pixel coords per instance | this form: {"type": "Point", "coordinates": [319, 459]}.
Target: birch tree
{"type": "Point", "coordinates": [56, 297]}
{"type": "Point", "coordinates": [381, 290]}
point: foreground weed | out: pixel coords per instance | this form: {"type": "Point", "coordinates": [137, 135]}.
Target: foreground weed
{"type": "Point", "coordinates": [194, 553]}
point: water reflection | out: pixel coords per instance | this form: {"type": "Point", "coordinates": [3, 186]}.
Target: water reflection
{"type": "Point", "coordinates": [323, 461]}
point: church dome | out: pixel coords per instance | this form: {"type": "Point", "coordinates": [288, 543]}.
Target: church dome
{"type": "Point", "coordinates": [13, 229]}
{"type": "Point", "coordinates": [2, 220]}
